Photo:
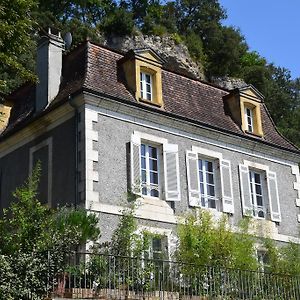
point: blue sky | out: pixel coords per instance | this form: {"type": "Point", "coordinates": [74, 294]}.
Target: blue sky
{"type": "Point", "coordinates": [270, 27]}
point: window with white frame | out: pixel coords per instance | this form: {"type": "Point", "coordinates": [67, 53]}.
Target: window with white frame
{"type": "Point", "coordinates": [157, 248]}
{"type": "Point", "coordinates": [263, 260]}
{"type": "Point", "coordinates": [256, 189]}
{"type": "Point", "coordinates": [249, 119]}
{"type": "Point", "coordinates": [150, 169]}
{"type": "Point", "coordinates": [209, 180]}
{"type": "Point", "coordinates": [146, 86]}
{"type": "Point", "coordinates": [259, 191]}
{"type": "Point", "coordinates": [154, 167]}
{"type": "Point", "coordinates": [206, 170]}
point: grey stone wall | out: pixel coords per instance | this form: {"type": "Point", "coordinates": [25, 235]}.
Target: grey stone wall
{"type": "Point", "coordinates": [113, 147]}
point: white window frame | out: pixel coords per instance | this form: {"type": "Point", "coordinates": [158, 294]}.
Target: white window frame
{"type": "Point", "coordinates": [169, 166]}
{"type": "Point", "coordinates": [249, 119]}
{"type": "Point", "coordinates": [271, 195]}
{"type": "Point", "coordinates": [150, 251]}
{"type": "Point", "coordinates": [254, 196]}
{"type": "Point", "coordinates": [166, 234]}
{"type": "Point", "coordinates": [143, 85]}
{"type": "Point", "coordinates": [148, 185]}
{"type": "Point", "coordinates": [208, 199]}
{"type": "Point", "coordinates": [223, 194]}
{"type": "Point", "coordinates": [261, 254]}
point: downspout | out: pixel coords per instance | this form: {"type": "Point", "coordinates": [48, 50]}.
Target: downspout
{"type": "Point", "coordinates": [71, 102]}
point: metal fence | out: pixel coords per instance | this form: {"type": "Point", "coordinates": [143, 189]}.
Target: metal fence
{"type": "Point", "coordinates": [90, 276]}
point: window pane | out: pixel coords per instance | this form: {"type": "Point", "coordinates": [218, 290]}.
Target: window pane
{"type": "Point", "coordinates": [210, 178]}
{"type": "Point", "coordinates": [261, 214]}
{"type": "Point", "coordinates": [212, 203]}
{"type": "Point", "coordinates": [153, 178]}
{"type": "Point", "coordinates": [156, 244]}
{"type": "Point", "coordinates": [144, 191]}
{"type": "Point", "coordinates": [143, 149]}
{"type": "Point", "coordinates": [142, 92]}
{"type": "Point", "coordinates": [258, 189]}
{"type": "Point", "coordinates": [153, 164]}
{"type": "Point", "coordinates": [144, 176]}
{"type": "Point", "coordinates": [154, 193]}
{"type": "Point", "coordinates": [210, 190]}
{"type": "Point", "coordinates": [148, 97]}
{"type": "Point", "coordinates": [147, 76]}
{"type": "Point", "coordinates": [148, 88]}
{"type": "Point", "coordinates": [143, 163]}
{"type": "Point", "coordinates": [203, 202]}
{"type": "Point", "coordinates": [152, 152]}
{"type": "Point", "coordinates": [201, 188]}
{"type": "Point", "coordinates": [257, 177]}
{"type": "Point", "coordinates": [201, 176]}
{"type": "Point", "coordinates": [259, 200]}
{"type": "Point", "coordinates": [200, 164]}
{"type": "Point", "coordinates": [209, 166]}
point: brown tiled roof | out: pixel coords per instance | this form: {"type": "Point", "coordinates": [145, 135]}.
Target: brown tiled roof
{"type": "Point", "coordinates": [95, 68]}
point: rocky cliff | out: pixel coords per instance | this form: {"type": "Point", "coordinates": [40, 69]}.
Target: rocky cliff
{"type": "Point", "coordinates": [176, 55]}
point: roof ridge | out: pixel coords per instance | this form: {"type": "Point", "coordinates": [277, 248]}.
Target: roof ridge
{"type": "Point", "coordinates": [87, 63]}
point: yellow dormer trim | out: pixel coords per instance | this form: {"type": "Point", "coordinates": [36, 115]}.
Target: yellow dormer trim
{"type": "Point", "coordinates": [244, 105]}
{"type": "Point", "coordinates": [155, 72]}
{"type": "Point", "coordinates": [254, 107]}
{"type": "Point", "coordinates": [251, 101]}
{"type": "Point", "coordinates": [148, 63]}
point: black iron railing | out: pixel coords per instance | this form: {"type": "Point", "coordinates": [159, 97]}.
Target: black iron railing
{"type": "Point", "coordinates": [90, 276]}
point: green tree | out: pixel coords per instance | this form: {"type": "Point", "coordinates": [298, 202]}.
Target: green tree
{"type": "Point", "coordinates": [204, 241]}
{"type": "Point", "coordinates": [225, 49]}
{"type": "Point", "coordinates": [35, 241]}
{"type": "Point", "coordinates": [16, 26]}
{"type": "Point", "coordinates": [126, 241]}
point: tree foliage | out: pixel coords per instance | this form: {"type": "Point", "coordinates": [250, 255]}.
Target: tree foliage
{"type": "Point", "coordinates": [205, 241]}
{"type": "Point", "coordinates": [35, 241]}
{"type": "Point", "coordinates": [222, 50]}
{"type": "Point", "coordinates": [16, 26]}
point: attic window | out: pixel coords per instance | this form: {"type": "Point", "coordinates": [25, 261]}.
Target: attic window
{"type": "Point", "coordinates": [143, 75]}
{"type": "Point", "coordinates": [244, 106]}
{"type": "Point", "coordinates": [146, 86]}
{"type": "Point", "coordinates": [249, 119]}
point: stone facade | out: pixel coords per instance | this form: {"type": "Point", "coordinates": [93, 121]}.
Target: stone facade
{"type": "Point", "coordinates": [89, 140]}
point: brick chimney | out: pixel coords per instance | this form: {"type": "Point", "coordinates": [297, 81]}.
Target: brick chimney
{"type": "Point", "coordinates": [49, 67]}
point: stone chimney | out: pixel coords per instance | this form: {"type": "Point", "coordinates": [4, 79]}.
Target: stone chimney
{"type": "Point", "coordinates": [49, 67]}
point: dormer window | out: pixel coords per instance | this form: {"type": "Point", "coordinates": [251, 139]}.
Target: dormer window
{"type": "Point", "coordinates": [249, 119]}
{"type": "Point", "coordinates": [143, 75]}
{"type": "Point", "coordinates": [244, 105]}
{"type": "Point", "coordinates": [146, 86]}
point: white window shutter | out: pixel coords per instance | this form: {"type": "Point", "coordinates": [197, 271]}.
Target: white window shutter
{"type": "Point", "coordinates": [135, 164]}
{"type": "Point", "coordinates": [226, 183]}
{"type": "Point", "coordinates": [273, 197]}
{"type": "Point", "coordinates": [193, 178]}
{"type": "Point", "coordinates": [171, 172]}
{"type": "Point", "coordinates": [245, 190]}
